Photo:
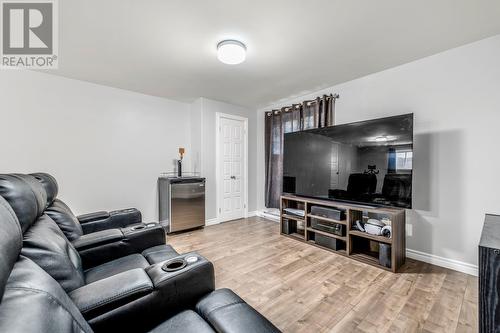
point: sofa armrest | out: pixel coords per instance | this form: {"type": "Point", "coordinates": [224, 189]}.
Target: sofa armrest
{"type": "Point", "coordinates": [98, 221]}
{"type": "Point", "coordinates": [195, 274]}
{"type": "Point", "coordinates": [102, 296]}
{"type": "Point", "coordinates": [228, 313]}
{"type": "Point", "coordinates": [91, 217]}
{"type": "Point", "coordinates": [180, 290]}
{"type": "Point", "coordinates": [172, 293]}
{"type": "Point", "coordinates": [97, 238]}
{"type": "Point", "coordinates": [132, 241]}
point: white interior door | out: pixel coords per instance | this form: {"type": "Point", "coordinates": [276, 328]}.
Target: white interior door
{"type": "Point", "coordinates": [231, 168]}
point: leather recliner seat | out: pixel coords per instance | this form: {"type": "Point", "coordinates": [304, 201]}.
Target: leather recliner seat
{"type": "Point", "coordinates": [101, 246]}
{"type": "Point", "coordinates": [76, 226]}
{"type": "Point", "coordinates": [136, 281]}
{"type": "Point", "coordinates": [32, 301]}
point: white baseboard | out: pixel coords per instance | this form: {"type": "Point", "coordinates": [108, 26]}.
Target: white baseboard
{"type": "Point", "coordinates": [268, 216]}
{"type": "Point", "coordinates": [453, 264]}
{"type": "Point", "coordinates": [213, 221]}
{"type": "Point", "coordinates": [216, 220]}
{"type": "Point", "coordinates": [253, 213]}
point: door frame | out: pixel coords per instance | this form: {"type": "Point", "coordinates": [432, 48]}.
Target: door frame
{"type": "Point", "coordinates": [218, 166]}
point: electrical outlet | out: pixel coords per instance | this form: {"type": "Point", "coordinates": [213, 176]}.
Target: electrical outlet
{"type": "Point", "coordinates": [409, 230]}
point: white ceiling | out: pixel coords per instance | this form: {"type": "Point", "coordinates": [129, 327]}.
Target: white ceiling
{"type": "Point", "coordinates": [168, 48]}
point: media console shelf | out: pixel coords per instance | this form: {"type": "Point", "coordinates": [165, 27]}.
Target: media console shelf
{"type": "Point", "coordinates": [348, 241]}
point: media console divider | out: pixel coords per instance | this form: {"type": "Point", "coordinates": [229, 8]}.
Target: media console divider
{"type": "Point", "coordinates": [353, 243]}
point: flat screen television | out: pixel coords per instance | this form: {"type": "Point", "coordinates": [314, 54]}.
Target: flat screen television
{"type": "Point", "coordinates": [368, 162]}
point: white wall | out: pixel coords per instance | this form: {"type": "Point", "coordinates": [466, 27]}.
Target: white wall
{"type": "Point", "coordinates": [105, 146]}
{"type": "Point", "coordinates": [196, 135]}
{"type": "Point", "coordinates": [454, 96]}
{"type": "Point", "coordinates": [209, 108]}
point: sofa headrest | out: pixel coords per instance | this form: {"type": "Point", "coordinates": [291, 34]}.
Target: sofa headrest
{"type": "Point", "coordinates": [10, 242]}
{"type": "Point", "coordinates": [38, 190]}
{"type": "Point", "coordinates": [21, 198]}
{"type": "Point", "coordinates": [49, 183]}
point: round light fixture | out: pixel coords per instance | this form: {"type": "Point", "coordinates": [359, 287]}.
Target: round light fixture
{"type": "Point", "coordinates": [231, 52]}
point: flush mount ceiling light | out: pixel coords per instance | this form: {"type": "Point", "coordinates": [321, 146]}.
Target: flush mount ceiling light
{"type": "Point", "coordinates": [231, 52]}
{"type": "Point", "coordinates": [383, 138]}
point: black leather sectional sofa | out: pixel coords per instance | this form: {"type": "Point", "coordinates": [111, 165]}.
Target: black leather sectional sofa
{"type": "Point", "coordinates": [102, 272]}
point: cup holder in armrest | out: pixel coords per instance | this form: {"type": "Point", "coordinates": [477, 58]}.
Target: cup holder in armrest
{"type": "Point", "coordinates": [144, 226]}
{"type": "Point", "coordinates": [139, 227]}
{"type": "Point", "coordinates": [174, 265]}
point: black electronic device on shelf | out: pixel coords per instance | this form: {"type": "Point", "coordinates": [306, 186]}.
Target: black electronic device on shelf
{"type": "Point", "coordinates": [327, 212]}
{"type": "Point", "coordinates": [333, 228]}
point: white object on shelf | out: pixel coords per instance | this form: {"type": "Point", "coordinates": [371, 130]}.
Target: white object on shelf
{"type": "Point", "coordinates": [374, 227]}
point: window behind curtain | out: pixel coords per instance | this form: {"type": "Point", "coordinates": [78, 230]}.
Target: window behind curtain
{"type": "Point", "coordinates": [404, 160]}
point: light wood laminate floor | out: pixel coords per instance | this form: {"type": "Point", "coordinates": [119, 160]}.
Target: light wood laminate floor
{"type": "Point", "coordinates": [301, 288]}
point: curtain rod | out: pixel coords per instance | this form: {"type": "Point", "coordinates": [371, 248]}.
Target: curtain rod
{"type": "Point", "coordinates": [308, 103]}
{"type": "Point", "coordinates": [312, 101]}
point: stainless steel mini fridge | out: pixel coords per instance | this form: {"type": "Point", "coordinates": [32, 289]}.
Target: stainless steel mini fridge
{"type": "Point", "coordinates": [181, 202]}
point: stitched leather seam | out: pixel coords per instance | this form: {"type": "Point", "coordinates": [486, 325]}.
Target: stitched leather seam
{"type": "Point", "coordinates": [37, 190]}
{"type": "Point", "coordinates": [80, 274]}
{"type": "Point", "coordinates": [97, 238]}
{"type": "Point", "coordinates": [107, 264]}
{"type": "Point", "coordinates": [34, 291]}
{"type": "Point", "coordinates": [153, 252]}
{"type": "Point", "coordinates": [158, 251]}
{"type": "Point", "coordinates": [93, 241]}
{"type": "Point", "coordinates": [18, 224]}
{"type": "Point", "coordinates": [112, 298]}
{"type": "Point", "coordinates": [61, 255]}
{"type": "Point", "coordinates": [224, 306]}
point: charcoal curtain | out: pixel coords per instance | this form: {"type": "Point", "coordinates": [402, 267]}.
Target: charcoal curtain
{"type": "Point", "coordinates": [307, 115]}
